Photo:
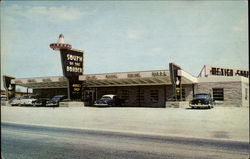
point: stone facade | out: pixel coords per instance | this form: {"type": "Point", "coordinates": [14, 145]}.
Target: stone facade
{"type": "Point", "coordinates": [232, 92]}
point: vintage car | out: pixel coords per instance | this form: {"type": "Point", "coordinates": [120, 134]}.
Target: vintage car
{"type": "Point", "coordinates": [28, 99]}
{"type": "Point", "coordinates": [55, 100]}
{"type": "Point", "coordinates": [40, 102]}
{"type": "Point", "coordinates": [15, 101]}
{"type": "Point", "coordinates": [202, 100]}
{"type": "Point", "coordinates": [109, 100]}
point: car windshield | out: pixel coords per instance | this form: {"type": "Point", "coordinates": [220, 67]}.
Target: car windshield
{"type": "Point", "coordinates": [56, 98]}
{"type": "Point", "coordinates": [25, 97]}
{"type": "Point", "coordinates": [201, 96]}
{"type": "Point", "coordinates": [33, 97]}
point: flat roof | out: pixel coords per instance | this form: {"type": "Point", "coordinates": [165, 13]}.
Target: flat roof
{"type": "Point", "coordinates": [137, 78]}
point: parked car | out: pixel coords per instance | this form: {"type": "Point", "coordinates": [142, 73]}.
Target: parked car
{"type": "Point", "coordinates": [202, 100]}
{"type": "Point", "coordinates": [109, 100]}
{"type": "Point", "coordinates": [55, 100]}
{"type": "Point", "coordinates": [28, 99]}
{"type": "Point", "coordinates": [15, 101]}
{"type": "Point", "coordinates": [40, 102]}
{"type": "Point", "coordinates": [3, 97]}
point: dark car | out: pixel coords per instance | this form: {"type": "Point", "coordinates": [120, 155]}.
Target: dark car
{"type": "Point", "coordinates": [40, 102]}
{"type": "Point", "coordinates": [109, 100]}
{"type": "Point", "coordinates": [55, 100]}
{"type": "Point", "coordinates": [202, 100]}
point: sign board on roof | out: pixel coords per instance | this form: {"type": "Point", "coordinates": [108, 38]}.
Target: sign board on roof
{"type": "Point", "coordinates": [222, 71]}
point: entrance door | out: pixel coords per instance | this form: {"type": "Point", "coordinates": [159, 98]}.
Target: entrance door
{"type": "Point", "coordinates": [89, 97]}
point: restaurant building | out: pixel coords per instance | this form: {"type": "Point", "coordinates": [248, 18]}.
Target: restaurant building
{"type": "Point", "coordinates": [156, 88]}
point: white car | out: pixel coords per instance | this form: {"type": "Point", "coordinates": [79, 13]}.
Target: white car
{"type": "Point", "coordinates": [28, 99]}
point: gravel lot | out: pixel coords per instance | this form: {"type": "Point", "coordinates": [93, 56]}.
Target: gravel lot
{"type": "Point", "coordinates": [225, 123]}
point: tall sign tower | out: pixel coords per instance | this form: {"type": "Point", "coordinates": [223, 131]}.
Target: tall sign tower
{"type": "Point", "coordinates": [72, 66]}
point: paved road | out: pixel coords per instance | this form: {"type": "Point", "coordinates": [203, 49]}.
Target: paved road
{"type": "Point", "coordinates": [35, 142]}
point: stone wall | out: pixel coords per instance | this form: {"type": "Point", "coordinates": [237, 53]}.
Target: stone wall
{"type": "Point", "coordinates": [232, 92]}
{"type": "Point", "coordinates": [245, 94]}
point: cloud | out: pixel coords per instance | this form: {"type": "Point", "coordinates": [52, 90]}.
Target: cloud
{"type": "Point", "coordinates": [56, 14]}
{"type": "Point", "coordinates": [134, 34]}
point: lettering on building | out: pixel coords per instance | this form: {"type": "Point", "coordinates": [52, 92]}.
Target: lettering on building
{"type": "Point", "coordinates": [111, 76]}
{"type": "Point", "coordinates": [133, 75]}
{"type": "Point", "coordinates": [74, 69]}
{"type": "Point", "coordinates": [74, 58]}
{"type": "Point", "coordinates": [76, 88]}
{"type": "Point", "coordinates": [72, 63]}
{"type": "Point", "coordinates": [242, 73]}
{"type": "Point", "coordinates": [159, 73]}
{"type": "Point", "coordinates": [46, 80]}
{"type": "Point", "coordinates": [228, 72]}
{"type": "Point", "coordinates": [91, 78]}
{"type": "Point", "coordinates": [222, 71]}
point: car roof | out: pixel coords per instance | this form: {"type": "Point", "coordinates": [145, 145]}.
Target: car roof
{"type": "Point", "coordinates": [59, 96]}
{"type": "Point", "coordinates": [109, 95]}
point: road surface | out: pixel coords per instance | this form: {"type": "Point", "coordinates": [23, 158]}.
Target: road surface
{"type": "Point", "coordinates": [36, 142]}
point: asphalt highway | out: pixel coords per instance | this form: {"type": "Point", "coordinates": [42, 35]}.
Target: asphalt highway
{"type": "Point", "coordinates": [35, 142]}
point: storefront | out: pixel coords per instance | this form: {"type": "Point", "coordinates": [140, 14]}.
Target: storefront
{"type": "Point", "coordinates": [150, 88]}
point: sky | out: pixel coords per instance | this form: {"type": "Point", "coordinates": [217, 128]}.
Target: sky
{"type": "Point", "coordinates": [123, 36]}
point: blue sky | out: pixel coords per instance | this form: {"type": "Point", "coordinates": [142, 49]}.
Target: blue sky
{"type": "Point", "coordinates": [123, 36]}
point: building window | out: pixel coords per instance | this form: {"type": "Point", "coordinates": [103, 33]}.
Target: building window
{"type": "Point", "coordinates": [183, 94]}
{"type": "Point", "coordinates": [218, 94]}
{"type": "Point", "coordinates": [125, 95]}
{"type": "Point", "coordinates": [246, 93]}
{"type": "Point", "coordinates": [154, 96]}
{"type": "Point", "coordinates": [140, 95]}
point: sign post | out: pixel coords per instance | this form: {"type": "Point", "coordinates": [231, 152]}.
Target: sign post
{"type": "Point", "coordinates": [176, 81]}
{"type": "Point", "coordinates": [72, 66]}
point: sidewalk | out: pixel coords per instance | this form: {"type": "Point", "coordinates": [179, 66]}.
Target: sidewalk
{"type": "Point", "coordinates": [223, 123]}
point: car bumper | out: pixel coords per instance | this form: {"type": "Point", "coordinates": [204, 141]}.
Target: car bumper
{"type": "Point", "coordinates": [15, 104]}
{"type": "Point", "coordinates": [52, 104]}
{"type": "Point", "coordinates": [100, 104]}
{"type": "Point", "coordinates": [27, 104]}
{"type": "Point", "coordinates": [200, 105]}
{"type": "Point", "coordinates": [37, 104]}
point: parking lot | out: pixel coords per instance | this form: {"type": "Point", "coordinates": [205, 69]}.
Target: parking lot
{"type": "Point", "coordinates": [225, 123]}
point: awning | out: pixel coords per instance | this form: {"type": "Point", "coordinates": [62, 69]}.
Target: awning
{"type": "Point", "coordinates": [142, 78]}
{"type": "Point", "coordinates": [41, 82]}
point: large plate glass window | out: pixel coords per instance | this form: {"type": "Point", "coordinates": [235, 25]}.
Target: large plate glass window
{"type": "Point", "coordinates": [154, 96]}
{"type": "Point", "coordinates": [125, 95]}
{"type": "Point", "coordinates": [218, 94]}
